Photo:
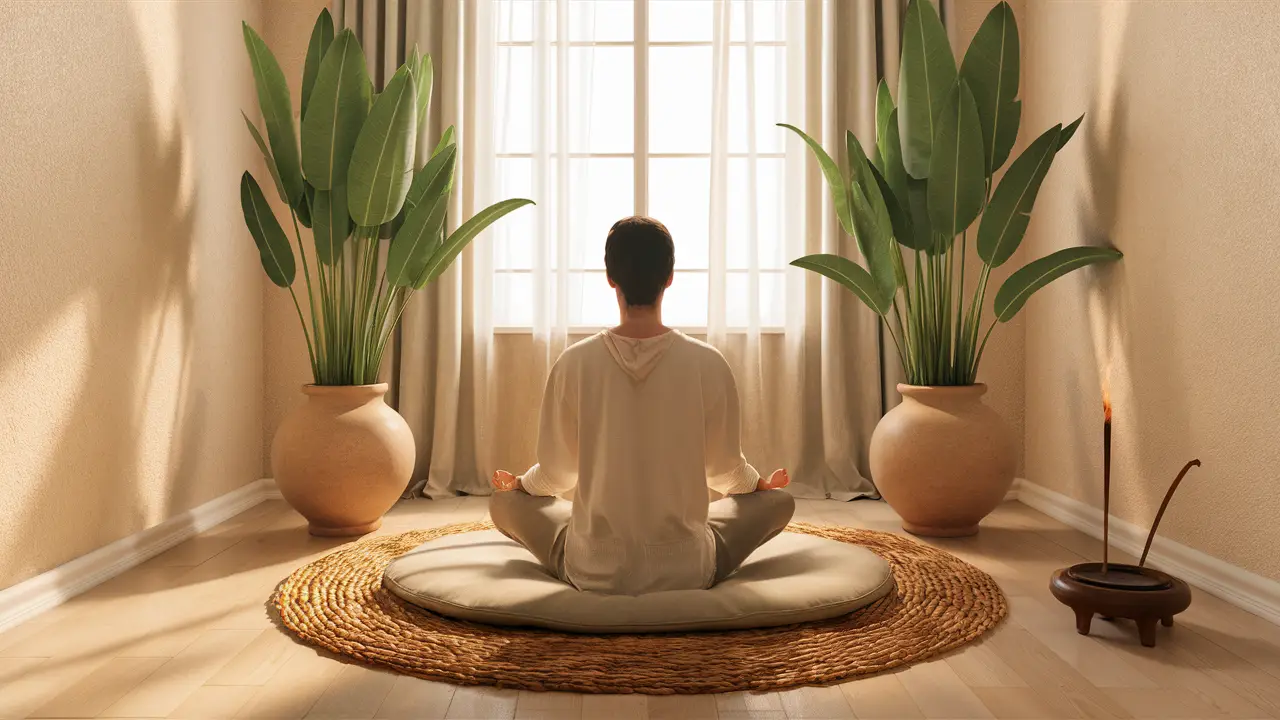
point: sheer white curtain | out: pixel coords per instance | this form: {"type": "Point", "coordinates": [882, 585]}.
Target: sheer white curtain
{"type": "Point", "coordinates": [598, 109]}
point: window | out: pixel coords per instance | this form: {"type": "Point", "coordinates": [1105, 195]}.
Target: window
{"type": "Point", "coordinates": [635, 126]}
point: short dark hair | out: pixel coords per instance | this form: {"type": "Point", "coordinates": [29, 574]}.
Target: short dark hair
{"type": "Point", "coordinates": [639, 256]}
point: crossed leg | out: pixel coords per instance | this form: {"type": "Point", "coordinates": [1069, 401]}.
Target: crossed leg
{"type": "Point", "coordinates": [742, 523]}
{"type": "Point", "coordinates": [538, 523]}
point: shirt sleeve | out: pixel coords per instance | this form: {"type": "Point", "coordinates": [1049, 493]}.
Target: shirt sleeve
{"type": "Point", "coordinates": [728, 472]}
{"type": "Point", "coordinates": [556, 471]}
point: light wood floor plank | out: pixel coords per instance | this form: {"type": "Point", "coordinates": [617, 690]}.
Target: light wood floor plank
{"type": "Point", "coordinates": [356, 692]}
{"type": "Point", "coordinates": [414, 699]}
{"type": "Point", "coordinates": [615, 707]}
{"type": "Point", "coordinates": [165, 690]}
{"type": "Point", "coordinates": [214, 702]}
{"type": "Point", "coordinates": [482, 703]}
{"type": "Point", "coordinates": [682, 707]}
{"type": "Point", "coordinates": [294, 689]}
{"type": "Point", "coordinates": [828, 703]}
{"type": "Point", "coordinates": [98, 690]}
{"type": "Point", "coordinates": [548, 706]}
{"type": "Point", "coordinates": [881, 697]}
{"type": "Point", "coordinates": [940, 693]}
{"type": "Point", "coordinates": [257, 662]}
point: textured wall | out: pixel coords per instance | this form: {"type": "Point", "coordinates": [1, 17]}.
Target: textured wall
{"type": "Point", "coordinates": [131, 361]}
{"type": "Point", "coordinates": [1175, 164]}
{"type": "Point", "coordinates": [1003, 362]}
{"type": "Point", "coordinates": [286, 27]}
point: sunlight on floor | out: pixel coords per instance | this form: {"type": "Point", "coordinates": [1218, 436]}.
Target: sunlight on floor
{"type": "Point", "coordinates": [187, 635]}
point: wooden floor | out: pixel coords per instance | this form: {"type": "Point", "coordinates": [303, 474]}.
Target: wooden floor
{"type": "Point", "coordinates": [187, 635]}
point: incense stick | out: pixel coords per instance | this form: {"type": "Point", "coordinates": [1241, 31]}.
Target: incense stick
{"type": "Point", "coordinates": [1106, 487]}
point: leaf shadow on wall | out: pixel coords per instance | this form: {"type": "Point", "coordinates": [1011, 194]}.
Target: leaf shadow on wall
{"type": "Point", "coordinates": [1137, 376]}
{"type": "Point", "coordinates": [121, 254]}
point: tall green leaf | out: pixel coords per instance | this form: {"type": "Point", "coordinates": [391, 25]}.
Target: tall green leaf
{"type": "Point", "coordinates": [871, 218]}
{"type": "Point", "coordinates": [1005, 222]}
{"type": "Point", "coordinates": [434, 179]}
{"type": "Point", "coordinates": [266, 155]}
{"type": "Point", "coordinates": [957, 177]}
{"type": "Point", "coordinates": [273, 244]}
{"type": "Point", "coordinates": [340, 102]}
{"type": "Point", "coordinates": [305, 203]}
{"type": "Point", "coordinates": [918, 207]}
{"type": "Point", "coordinates": [425, 77]}
{"type": "Point", "coordinates": [927, 74]}
{"type": "Point", "coordinates": [835, 179]}
{"type": "Point", "coordinates": [990, 68]}
{"type": "Point", "coordinates": [849, 274]}
{"type": "Point", "coordinates": [1036, 274]}
{"type": "Point", "coordinates": [382, 162]}
{"type": "Point", "coordinates": [332, 223]}
{"type": "Point", "coordinates": [416, 242]}
{"type": "Point", "coordinates": [277, 113]}
{"type": "Point", "coordinates": [899, 216]}
{"type": "Point", "coordinates": [884, 115]}
{"type": "Point", "coordinates": [889, 146]}
{"type": "Point", "coordinates": [1068, 131]}
{"type": "Point", "coordinates": [321, 36]}
{"type": "Point", "coordinates": [450, 249]}
{"type": "Point", "coordinates": [446, 139]}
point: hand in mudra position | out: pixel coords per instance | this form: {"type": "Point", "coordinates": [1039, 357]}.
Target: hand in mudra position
{"type": "Point", "coordinates": [504, 481]}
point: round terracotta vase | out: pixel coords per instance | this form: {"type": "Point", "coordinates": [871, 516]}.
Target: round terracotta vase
{"type": "Point", "coordinates": [942, 459]}
{"type": "Point", "coordinates": [343, 458]}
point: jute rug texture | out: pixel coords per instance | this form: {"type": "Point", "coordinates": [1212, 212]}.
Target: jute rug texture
{"type": "Point", "coordinates": [941, 602]}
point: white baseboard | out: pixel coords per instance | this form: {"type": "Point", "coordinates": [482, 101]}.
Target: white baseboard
{"type": "Point", "coordinates": [270, 491]}
{"type": "Point", "coordinates": [1246, 590]}
{"type": "Point", "coordinates": [48, 590]}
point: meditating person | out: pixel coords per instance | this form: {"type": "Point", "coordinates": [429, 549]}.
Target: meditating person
{"type": "Point", "coordinates": [640, 424]}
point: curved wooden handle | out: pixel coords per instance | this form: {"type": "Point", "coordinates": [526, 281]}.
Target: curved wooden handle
{"type": "Point", "coordinates": [1160, 513]}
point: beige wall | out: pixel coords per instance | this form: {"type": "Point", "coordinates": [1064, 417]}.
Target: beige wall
{"type": "Point", "coordinates": [286, 27]}
{"type": "Point", "coordinates": [1003, 362]}
{"type": "Point", "coordinates": [1175, 164]}
{"type": "Point", "coordinates": [130, 312]}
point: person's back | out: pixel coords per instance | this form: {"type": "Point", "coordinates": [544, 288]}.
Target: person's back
{"type": "Point", "coordinates": [653, 407]}
{"type": "Point", "coordinates": [638, 423]}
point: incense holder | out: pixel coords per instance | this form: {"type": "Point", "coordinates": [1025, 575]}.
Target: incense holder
{"type": "Point", "coordinates": [1123, 591]}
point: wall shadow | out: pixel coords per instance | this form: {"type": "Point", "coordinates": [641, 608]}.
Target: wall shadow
{"type": "Point", "coordinates": [124, 281]}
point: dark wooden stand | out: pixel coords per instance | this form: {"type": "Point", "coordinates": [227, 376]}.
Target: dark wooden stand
{"type": "Point", "coordinates": [1160, 598]}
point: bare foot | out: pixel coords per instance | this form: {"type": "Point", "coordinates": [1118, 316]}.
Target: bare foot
{"type": "Point", "coordinates": [504, 481]}
{"type": "Point", "coordinates": [778, 480]}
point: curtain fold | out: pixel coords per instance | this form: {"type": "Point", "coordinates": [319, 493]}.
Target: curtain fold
{"type": "Point", "coordinates": [812, 390]}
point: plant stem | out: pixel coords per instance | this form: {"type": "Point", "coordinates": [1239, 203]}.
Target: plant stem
{"type": "Point", "coordinates": [975, 315]}
{"type": "Point", "coordinates": [963, 348]}
{"type": "Point", "coordinates": [311, 301]}
{"type": "Point", "coordinates": [311, 352]}
{"type": "Point", "coordinates": [973, 370]}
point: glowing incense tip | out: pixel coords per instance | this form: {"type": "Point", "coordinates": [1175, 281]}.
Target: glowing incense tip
{"type": "Point", "coordinates": [1106, 393]}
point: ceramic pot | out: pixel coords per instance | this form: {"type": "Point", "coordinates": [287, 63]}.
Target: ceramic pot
{"type": "Point", "coordinates": [343, 458]}
{"type": "Point", "coordinates": [942, 459]}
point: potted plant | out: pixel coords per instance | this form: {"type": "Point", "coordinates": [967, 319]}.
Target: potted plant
{"type": "Point", "coordinates": [942, 459]}
{"type": "Point", "coordinates": [377, 235]}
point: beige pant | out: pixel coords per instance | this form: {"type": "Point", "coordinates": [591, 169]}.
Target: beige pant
{"type": "Point", "coordinates": [739, 523]}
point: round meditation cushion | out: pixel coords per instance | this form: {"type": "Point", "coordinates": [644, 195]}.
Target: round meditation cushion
{"type": "Point", "coordinates": [485, 577]}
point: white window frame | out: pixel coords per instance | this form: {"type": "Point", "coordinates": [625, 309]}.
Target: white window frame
{"type": "Point", "coordinates": [640, 155]}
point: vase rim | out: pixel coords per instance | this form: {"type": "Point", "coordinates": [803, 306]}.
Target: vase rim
{"type": "Point", "coordinates": [942, 390]}
{"type": "Point", "coordinates": [373, 389]}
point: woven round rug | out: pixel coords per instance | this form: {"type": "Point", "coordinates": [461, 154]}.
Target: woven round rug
{"type": "Point", "coordinates": [941, 602]}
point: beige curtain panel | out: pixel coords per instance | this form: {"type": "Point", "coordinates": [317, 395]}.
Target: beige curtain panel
{"type": "Point", "coordinates": [474, 351]}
